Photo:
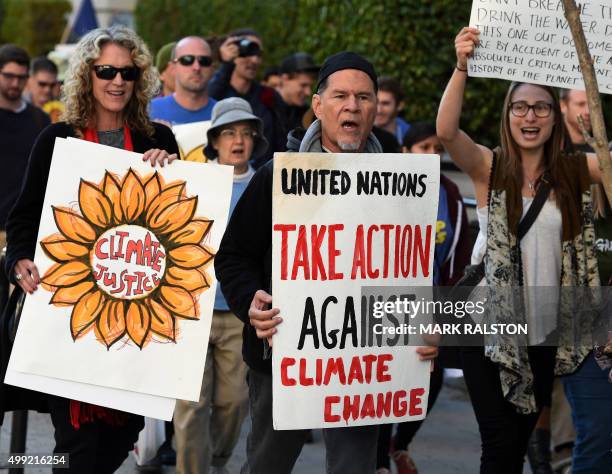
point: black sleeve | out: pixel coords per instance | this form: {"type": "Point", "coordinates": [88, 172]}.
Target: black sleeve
{"type": "Point", "coordinates": [165, 139]}
{"type": "Point", "coordinates": [41, 118]}
{"type": "Point", "coordinates": [219, 84]}
{"type": "Point", "coordinates": [243, 262]}
{"type": "Point", "coordinates": [24, 218]}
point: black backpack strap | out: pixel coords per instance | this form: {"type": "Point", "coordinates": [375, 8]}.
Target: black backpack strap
{"type": "Point", "coordinates": [535, 208]}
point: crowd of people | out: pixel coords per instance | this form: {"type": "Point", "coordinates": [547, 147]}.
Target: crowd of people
{"type": "Point", "coordinates": [535, 401]}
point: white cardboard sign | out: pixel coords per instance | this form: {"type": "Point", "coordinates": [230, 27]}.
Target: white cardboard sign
{"type": "Point", "coordinates": [126, 257]}
{"type": "Point", "coordinates": [332, 214]}
{"type": "Point", "coordinates": [530, 41]}
{"type": "Point", "coordinates": [191, 139]}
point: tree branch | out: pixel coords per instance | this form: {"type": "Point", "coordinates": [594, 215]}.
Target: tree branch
{"type": "Point", "coordinates": [599, 141]}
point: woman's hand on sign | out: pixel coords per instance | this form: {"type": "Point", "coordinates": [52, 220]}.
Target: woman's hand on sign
{"type": "Point", "coordinates": [156, 157]}
{"type": "Point", "coordinates": [465, 42]}
{"type": "Point", "coordinates": [262, 318]}
{"type": "Point", "coordinates": [26, 275]}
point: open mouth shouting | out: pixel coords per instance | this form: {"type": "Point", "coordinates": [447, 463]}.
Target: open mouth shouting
{"type": "Point", "coordinates": [238, 151]}
{"type": "Point", "coordinates": [350, 126]}
{"type": "Point", "coordinates": [530, 133]}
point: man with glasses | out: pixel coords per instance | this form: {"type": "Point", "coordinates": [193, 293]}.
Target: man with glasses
{"type": "Point", "coordinates": [190, 101]}
{"type": "Point", "coordinates": [241, 57]}
{"type": "Point", "coordinates": [42, 81]}
{"type": "Point", "coordinates": [20, 124]}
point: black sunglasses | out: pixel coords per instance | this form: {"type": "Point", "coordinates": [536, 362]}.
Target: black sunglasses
{"type": "Point", "coordinates": [188, 59]}
{"type": "Point", "coordinates": [108, 73]}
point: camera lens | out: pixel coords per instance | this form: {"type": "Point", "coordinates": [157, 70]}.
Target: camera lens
{"type": "Point", "coordinates": [247, 47]}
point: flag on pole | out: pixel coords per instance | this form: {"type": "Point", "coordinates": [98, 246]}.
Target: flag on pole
{"type": "Point", "coordinates": [84, 21]}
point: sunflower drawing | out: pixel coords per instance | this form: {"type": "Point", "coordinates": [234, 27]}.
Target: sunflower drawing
{"type": "Point", "coordinates": [132, 262]}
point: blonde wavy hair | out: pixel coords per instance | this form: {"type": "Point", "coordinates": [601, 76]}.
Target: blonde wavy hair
{"type": "Point", "coordinates": [77, 91]}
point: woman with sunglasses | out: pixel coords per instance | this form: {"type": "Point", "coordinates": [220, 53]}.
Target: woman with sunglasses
{"type": "Point", "coordinates": [108, 86]}
{"type": "Point", "coordinates": [508, 382]}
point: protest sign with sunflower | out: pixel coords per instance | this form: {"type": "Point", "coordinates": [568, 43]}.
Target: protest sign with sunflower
{"type": "Point", "coordinates": [126, 256]}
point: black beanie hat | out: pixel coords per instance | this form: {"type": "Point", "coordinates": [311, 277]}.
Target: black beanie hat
{"type": "Point", "coordinates": [346, 60]}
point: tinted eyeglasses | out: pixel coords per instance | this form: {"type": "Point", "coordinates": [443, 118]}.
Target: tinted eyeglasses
{"type": "Point", "coordinates": [540, 109]}
{"type": "Point", "coordinates": [188, 59]}
{"type": "Point", "coordinates": [108, 73]}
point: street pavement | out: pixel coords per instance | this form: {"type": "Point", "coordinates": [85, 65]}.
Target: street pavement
{"type": "Point", "coordinates": [447, 443]}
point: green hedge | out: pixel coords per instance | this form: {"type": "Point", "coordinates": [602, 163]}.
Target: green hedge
{"type": "Point", "coordinates": [36, 25]}
{"type": "Point", "coordinates": [162, 21]}
{"type": "Point", "coordinates": [410, 39]}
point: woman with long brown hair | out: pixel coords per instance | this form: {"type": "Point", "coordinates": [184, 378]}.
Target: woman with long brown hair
{"type": "Point", "coordinates": [509, 383]}
{"type": "Point", "coordinates": [108, 86]}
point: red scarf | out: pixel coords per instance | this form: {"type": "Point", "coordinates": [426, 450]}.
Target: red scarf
{"type": "Point", "coordinates": [92, 136]}
{"type": "Point", "coordinates": [81, 412]}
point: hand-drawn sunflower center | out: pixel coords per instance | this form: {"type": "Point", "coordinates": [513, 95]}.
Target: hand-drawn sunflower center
{"type": "Point", "coordinates": [128, 262]}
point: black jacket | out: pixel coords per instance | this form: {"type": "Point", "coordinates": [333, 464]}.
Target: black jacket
{"type": "Point", "coordinates": [243, 263]}
{"type": "Point", "coordinates": [23, 221]}
{"type": "Point", "coordinates": [18, 132]}
{"type": "Point", "coordinates": [265, 103]}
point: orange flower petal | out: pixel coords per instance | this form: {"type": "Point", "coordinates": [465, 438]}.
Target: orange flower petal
{"type": "Point", "coordinates": [132, 196]}
{"type": "Point", "coordinates": [66, 274]}
{"type": "Point", "coordinates": [63, 250]}
{"type": "Point", "coordinates": [192, 233]}
{"type": "Point", "coordinates": [71, 294]}
{"type": "Point", "coordinates": [95, 206]}
{"type": "Point", "coordinates": [73, 226]}
{"type": "Point", "coordinates": [179, 301]}
{"type": "Point", "coordinates": [190, 256]}
{"type": "Point", "coordinates": [152, 188]}
{"type": "Point", "coordinates": [191, 280]}
{"type": "Point", "coordinates": [138, 322]}
{"type": "Point", "coordinates": [162, 321]}
{"type": "Point", "coordinates": [169, 195]}
{"type": "Point", "coordinates": [111, 322]}
{"type": "Point", "coordinates": [112, 189]}
{"type": "Point", "coordinates": [174, 216]}
{"type": "Point", "coordinates": [85, 313]}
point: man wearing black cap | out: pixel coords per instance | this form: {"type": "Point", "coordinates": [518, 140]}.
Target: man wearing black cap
{"type": "Point", "coordinates": [345, 107]}
{"type": "Point", "coordinates": [298, 74]}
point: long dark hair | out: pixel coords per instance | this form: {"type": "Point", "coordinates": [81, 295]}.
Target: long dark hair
{"type": "Point", "coordinates": [510, 164]}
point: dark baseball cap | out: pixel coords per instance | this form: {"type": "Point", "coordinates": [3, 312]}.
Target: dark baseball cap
{"type": "Point", "coordinates": [298, 62]}
{"type": "Point", "coordinates": [347, 60]}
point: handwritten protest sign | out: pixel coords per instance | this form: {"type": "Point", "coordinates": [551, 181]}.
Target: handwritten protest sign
{"type": "Point", "coordinates": [342, 222]}
{"type": "Point", "coordinates": [125, 253]}
{"type": "Point", "coordinates": [530, 41]}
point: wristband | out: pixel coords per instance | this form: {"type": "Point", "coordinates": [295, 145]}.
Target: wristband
{"type": "Point", "coordinates": [459, 69]}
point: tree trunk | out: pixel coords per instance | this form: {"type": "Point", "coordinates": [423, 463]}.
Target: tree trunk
{"type": "Point", "coordinates": [599, 141]}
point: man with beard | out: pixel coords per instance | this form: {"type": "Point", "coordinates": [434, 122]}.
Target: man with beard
{"type": "Point", "coordinates": [190, 101]}
{"type": "Point", "coordinates": [20, 124]}
{"type": "Point", "coordinates": [241, 57]}
{"type": "Point", "coordinates": [345, 106]}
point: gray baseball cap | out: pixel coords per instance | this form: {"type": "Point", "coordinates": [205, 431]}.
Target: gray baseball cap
{"type": "Point", "coordinates": [232, 110]}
